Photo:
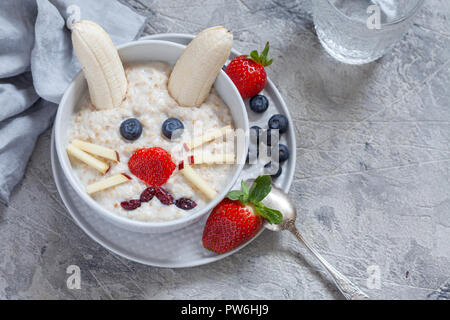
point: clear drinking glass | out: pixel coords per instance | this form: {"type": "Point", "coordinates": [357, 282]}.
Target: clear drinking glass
{"type": "Point", "coordinates": [361, 31]}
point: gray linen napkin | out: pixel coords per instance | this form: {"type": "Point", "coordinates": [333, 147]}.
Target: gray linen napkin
{"type": "Point", "coordinates": [37, 64]}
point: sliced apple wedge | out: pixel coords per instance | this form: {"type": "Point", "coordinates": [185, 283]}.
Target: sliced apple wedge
{"type": "Point", "coordinates": [225, 158]}
{"type": "Point", "coordinates": [197, 181]}
{"type": "Point", "coordinates": [87, 158]}
{"type": "Point", "coordinates": [107, 183]}
{"type": "Point", "coordinates": [96, 150]}
{"type": "Point", "coordinates": [207, 137]}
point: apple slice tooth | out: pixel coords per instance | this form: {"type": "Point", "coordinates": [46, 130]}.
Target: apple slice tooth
{"type": "Point", "coordinates": [87, 158]}
{"type": "Point", "coordinates": [97, 150]}
{"type": "Point", "coordinates": [225, 158]}
{"type": "Point", "coordinates": [107, 183]}
{"type": "Point", "coordinates": [196, 180]}
{"type": "Point", "coordinates": [207, 137]}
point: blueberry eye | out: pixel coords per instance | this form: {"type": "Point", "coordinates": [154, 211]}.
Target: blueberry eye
{"type": "Point", "coordinates": [172, 128]}
{"type": "Point", "coordinates": [131, 129]}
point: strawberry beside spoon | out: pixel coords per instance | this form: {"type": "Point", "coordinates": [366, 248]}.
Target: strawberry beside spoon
{"type": "Point", "coordinates": [240, 218]}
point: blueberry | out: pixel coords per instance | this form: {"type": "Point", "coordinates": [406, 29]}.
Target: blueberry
{"type": "Point", "coordinates": [280, 122]}
{"type": "Point", "coordinates": [254, 142]}
{"type": "Point", "coordinates": [254, 134]}
{"type": "Point", "coordinates": [278, 173]}
{"type": "Point", "coordinates": [259, 103]}
{"type": "Point", "coordinates": [284, 153]}
{"type": "Point", "coordinates": [253, 149]}
{"type": "Point", "coordinates": [268, 137]}
{"type": "Point", "coordinates": [131, 129]}
{"type": "Point", "coordinates": [172, 128]}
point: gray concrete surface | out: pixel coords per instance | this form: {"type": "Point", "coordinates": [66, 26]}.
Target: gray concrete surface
{"type": "Point", "coordinates": [372, 179]}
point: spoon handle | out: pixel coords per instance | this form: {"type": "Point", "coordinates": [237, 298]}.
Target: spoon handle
{"type": "Point", "coordinates": [348, 288]}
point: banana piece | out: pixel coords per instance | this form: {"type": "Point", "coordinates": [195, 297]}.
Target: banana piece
{"type": "Point", "coordinates": [101, 64]}
{"type": "Point", "coordinates": [198, 66]}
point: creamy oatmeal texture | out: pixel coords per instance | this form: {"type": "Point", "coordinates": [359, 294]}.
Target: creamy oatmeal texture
{"type": "Point", "coordinates": [149, 101]}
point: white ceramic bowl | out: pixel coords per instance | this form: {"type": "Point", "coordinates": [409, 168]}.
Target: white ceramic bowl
{"type": "Point", "coordinates": [142, 51]}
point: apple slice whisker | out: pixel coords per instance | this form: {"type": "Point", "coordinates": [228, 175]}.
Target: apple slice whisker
{"type": "Point", "coordinates": [107, 183]}
{"type": "Point", "coordinates": [207, 137]}
{"type": "Point", "coordinates": [87, 159]}
{"type": "Point", "coordinates": [224, 158]}
{"type": "Point", "coordinates": [197, 181]}
{"type": "Point", "coordinates": [97, 150]}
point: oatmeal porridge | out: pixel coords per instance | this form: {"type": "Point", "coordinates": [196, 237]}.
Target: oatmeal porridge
{"type": "Point", "coordinates": [148, 100]}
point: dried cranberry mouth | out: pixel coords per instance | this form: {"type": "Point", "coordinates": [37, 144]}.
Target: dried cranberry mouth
{"type": "Point", "coordinates": [185, 203]}
{"type": "Point", "coordinates": [130, 204]}
{"type": "Point", "coordinates": [162, 195]}
{"type": "Point", "coordinates": [147, 194]}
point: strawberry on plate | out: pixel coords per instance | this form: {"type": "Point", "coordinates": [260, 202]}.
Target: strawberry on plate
{"type": "Point", "coordinates": [238, 217]}
{"type": "Point", "coordinates": [248, 73]}
{"type": "Point", "coordinates": [152, 165]}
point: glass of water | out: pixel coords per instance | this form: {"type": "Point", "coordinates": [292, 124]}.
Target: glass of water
{"type": "Point", "coordinates": [361, 31]}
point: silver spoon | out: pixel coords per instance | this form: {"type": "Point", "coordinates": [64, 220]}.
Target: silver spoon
{"type": "Point", "coordinates": [279, 200]}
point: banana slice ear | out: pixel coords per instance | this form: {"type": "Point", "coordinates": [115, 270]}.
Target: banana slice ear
{"type": "Point", "coordinates": [101, 64]}
{"type": "Point", "coordinates": [198, 66]}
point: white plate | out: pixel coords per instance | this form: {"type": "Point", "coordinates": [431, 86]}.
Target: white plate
{"type": "Point", "coordinates": [181, 248]}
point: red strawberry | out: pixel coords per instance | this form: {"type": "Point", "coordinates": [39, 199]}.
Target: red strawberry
{"type": "Point", "coordinates": [152, 165]}
{"type": "Point", "coordinates": [238, 218]}
{"type": "Point", "coordinates": [248, 73]}
{"type": "Point", "coordinates": [230, 224]}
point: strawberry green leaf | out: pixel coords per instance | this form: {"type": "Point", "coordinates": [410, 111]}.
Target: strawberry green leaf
{"type": "Point", "coordinates": [265, 52]}
{"type": "Point", "coordinates": [261, 58]}
{"type": "Point", "coordinates": [270, 215]}
{"type": "Point", "coordinates": [243, 198]}
{"type": "Point", "coordinates": [260, 189]}
{"type": "Point", "coordinates": [241, 195]}
{"type": "Point", "coordinates": [254, 55]}
{"type": "Point", "coordinates": [244, 188]}
{"type": "Point", "coordinates": [234, 195]}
